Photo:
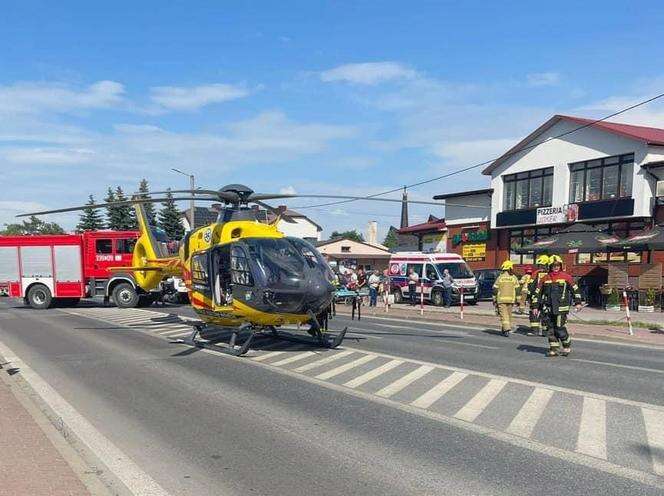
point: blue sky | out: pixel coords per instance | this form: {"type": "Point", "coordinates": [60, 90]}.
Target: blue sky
{"type": "Point", "coordinates": [329, 97]}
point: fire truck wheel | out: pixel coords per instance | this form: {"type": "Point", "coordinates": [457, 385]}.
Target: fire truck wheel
{"type": "Point", "coordinates": [125, 296]}
{"type": "Point", "coordinates": [39, 297]}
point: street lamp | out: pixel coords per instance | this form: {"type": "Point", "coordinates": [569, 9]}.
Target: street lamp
{"type": "Point", "coordinates": [191, 205]}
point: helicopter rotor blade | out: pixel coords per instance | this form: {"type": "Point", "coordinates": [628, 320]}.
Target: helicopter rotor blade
{"type": "Point", "coordinates": [111, 204]}
{"type": "Point", "coordinates": [222, 196]}
{"type": "Point", "coordinates": [269, 196]}
{"type": "Point", "coordinates": [359, 198]}
{"type": "Point", "coordinates": [275, 211]}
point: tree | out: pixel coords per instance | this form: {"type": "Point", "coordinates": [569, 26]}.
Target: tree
{"type": "Point", "coordinates": [90, 219]}
{"type": "Point", "coordinates": [169, 218]}
{"type": "Point", "coordinates": [33, 225]}
{"type": "Point", "coordinates": [126, 215]}
{"type": "Point", "coordinates": [150, 212]}
{"type": "Point", "coordinates": [391, 240]}
{"type": "Point", "coordinates": [113, 215]}
{"type": "Point", "coordinates": [354, 235]}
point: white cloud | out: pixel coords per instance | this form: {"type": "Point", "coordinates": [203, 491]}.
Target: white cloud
{"type": "Point", "coordinates": [369, 73]}
{"type": "Point", "coordinates": [33, 98]}
{"type": "Point", "coordinates": [195, 97]}
{"type": "Point", "coordinates": [543, 79]}
{"type": "Point", "coordinates": [47, 156]}
{"type": "Point", "coordinates": [288, 190]}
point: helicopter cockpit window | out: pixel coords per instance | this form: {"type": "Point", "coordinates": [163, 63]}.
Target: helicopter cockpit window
{"type": "Point", "coordinates": [313, 258]}
{"type": "Point", "coordinates": [281, 264]}
{"type": "Point", "coordinates": [240, 271]}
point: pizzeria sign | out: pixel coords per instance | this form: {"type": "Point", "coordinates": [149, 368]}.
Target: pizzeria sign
{"type": "Point", "coordinates": [558, 215]}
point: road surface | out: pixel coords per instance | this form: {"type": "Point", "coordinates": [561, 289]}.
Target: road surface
{"type": "Point", "coordinates": [402, 408]}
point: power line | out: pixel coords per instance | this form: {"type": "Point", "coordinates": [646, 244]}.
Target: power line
{"type": "Point", "coordinates": [487, 162]}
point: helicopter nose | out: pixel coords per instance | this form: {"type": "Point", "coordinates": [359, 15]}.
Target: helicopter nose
{"type": "Point", "coordinates": [319, 294]}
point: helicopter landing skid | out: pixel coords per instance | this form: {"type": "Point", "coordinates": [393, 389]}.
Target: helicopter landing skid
{"type": "Point", "coordinates": [320, 338]}
{"type": "Point", "coordinates": [229, 349]}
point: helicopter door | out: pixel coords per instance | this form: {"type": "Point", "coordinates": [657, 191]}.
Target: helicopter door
{"type": "Point", "coordinates": [221, 275]}
{"type": "Point", "coordinates": [200, 273]}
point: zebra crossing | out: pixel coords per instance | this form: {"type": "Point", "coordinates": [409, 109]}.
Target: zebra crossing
{"type": "Point", "coordinates": [622, 432]}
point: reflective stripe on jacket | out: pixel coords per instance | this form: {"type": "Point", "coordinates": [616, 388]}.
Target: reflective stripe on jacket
{"type": "Point", "coordinates": [505, 288]}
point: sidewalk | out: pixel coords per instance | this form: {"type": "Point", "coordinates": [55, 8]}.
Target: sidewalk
{"type": "Point", "coordinates": [30, 465]}
{"type": "Point", "coordinates": [602, 325]}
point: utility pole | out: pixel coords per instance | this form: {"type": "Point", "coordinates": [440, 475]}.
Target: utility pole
{"type": "Point", "coordinates": [192, 186]}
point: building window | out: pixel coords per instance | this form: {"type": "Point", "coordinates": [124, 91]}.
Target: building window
{"type": "Point", "coordinates": [345, 249]}
{"type": "Point", "coordinates": [528, 189]}
{"type": "Point", "coordinates": [601, 179]}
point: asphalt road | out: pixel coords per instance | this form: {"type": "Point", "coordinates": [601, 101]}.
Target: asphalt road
{"type": "Point", "coordinates": [402, 408]}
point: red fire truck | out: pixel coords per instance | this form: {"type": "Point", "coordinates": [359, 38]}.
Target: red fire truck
{"type": "Point", "coordinates": [49, 269]}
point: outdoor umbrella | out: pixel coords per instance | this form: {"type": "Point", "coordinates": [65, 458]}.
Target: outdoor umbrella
{"type": "Point", "coordinates": [648, 239]}
{"type": "Point", "coordinates": [574, 239]}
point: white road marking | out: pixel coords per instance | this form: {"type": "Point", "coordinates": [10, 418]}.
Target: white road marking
{"type": "Point", "coordinates": [525, 421]}
{"type": "Point", "coordinates": [345, 367]}
{"type": "Point", "coordinates": [471, 410]}
{"type": "Point", "coordinates": [294, 358]}
{"type": "Point", "coordinates": [177, 332]}
{"type": "Point", "coordinates": [406, 380]}
{"type": "Point", "coordinates": [655, 434]}
{"type": "Point", "coordinates": [619, 365]}
{"type": "Point", "coordinates": [372, 374]}
{"type": "Point", "coordinates": [323, 361]}
{"type": "Point", "coordinates": [592, 429]}
{"type": "Point", "coordinates": [170, 329]}
{"type": "Point", "coordinates": [437, 392]}
{"type": "Point", "coordinates": [267, 356]}
{"type": "Point", "coordinates": [123, 467]}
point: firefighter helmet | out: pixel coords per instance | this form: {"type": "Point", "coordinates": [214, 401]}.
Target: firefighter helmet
{"type": "Point", "coordinates": [555, 259]}
{"type": "Point", "coordinates": [543, 260]}
{"type": "Point", "coordinates": [507, 265]}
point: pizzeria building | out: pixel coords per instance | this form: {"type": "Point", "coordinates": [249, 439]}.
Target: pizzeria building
{"type": "Point", "coordinates": [570, 170]}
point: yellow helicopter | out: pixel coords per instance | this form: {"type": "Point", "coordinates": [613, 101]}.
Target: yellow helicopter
{"type": "Point", "coordinates": [242, 273]}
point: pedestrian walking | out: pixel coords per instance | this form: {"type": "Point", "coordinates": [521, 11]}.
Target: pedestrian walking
{"type": "Point", "coordinates": [448, 282]}
{"type": "Point", "coordinates": [362, 283]}
{"type": "Point", "coordinates": [413, 281]}
{"type": "Point", "coordinates": [374, 283]}
{"type": "Point", "coordinates": [553, 297]}
{"type": "Point", "coordinates": [504, 296]}
{"type": "Point", "coordinates": [384, 288]}
{"type": "Point", "coordinates": [524, 283]}
{"type": "Point", "coordinates": [542, 270]}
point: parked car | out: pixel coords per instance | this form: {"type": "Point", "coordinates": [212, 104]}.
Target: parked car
{"type": "Point", "coordinates": [485, 281]}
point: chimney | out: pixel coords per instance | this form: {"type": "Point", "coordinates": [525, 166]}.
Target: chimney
{"type": "Point", "coordinates": [372, 232]}
{"type": "Point", "coordinates": [404, 209]}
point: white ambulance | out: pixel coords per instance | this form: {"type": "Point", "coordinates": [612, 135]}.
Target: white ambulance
{"type": "Point", "coordinates": [429, 267]}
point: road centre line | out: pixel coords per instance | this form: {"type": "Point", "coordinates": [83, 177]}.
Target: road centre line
{"type": "Point", "coordinates": [473, 409]}
{"type": "Point", "coordinates": [592, 428]}
{"type": "Point", "coordinates": [523, 424]}
{"type": "Point", "coordinates": [123, 467]}
{"type": "Point", "coordinates": [532, 445]}
{"type": "Point", "coordinates": [440, 389]}
{"type": "Point", "coordinates": [654, 422]}
{"type": "Point", "coordinates": [619, 365]}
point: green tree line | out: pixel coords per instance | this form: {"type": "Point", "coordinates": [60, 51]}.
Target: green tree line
{"type": "Point", "coordinates": [117, 217]}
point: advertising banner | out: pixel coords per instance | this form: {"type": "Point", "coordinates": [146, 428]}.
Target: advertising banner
{"type": "Point", "coordinates": [475, 252]}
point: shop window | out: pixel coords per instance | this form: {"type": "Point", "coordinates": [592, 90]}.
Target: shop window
{"type": "Point", "coordinates": [522, 237]}
{"type": "Point", "coordinates": [614, 257]}
{"type": "Point", "coordinates": [528, 189]}
{"type": "Point", "coordinates": [601, 179]}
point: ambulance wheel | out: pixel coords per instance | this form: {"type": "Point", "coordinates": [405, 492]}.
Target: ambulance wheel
{"type": "Point", "coordinates": [398, 297]}
{"type": "Point", "coordinates": [39, 297]}
{"type": "Point", "coordinates": [437, 298]}
{"type": "Point", "coordinates": [125, 295]}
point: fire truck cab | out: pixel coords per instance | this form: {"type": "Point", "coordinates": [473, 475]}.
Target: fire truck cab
{"type": "Point", "coordinates": [49, 269]}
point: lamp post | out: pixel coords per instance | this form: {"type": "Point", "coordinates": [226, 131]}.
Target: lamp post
{"type": "Point", "coordinates": [192, 215]}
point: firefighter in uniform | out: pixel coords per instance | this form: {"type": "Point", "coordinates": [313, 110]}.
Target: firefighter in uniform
{"type": "Point", "coordinates": [554, 294]}
{"type": "Point", "coordinates": [504, 295]}
{"type": "Point", "coordinates": [524, 282]}
{"type": "Point", "coordinates": [542, 270]}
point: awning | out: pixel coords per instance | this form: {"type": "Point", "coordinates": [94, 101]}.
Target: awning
{"type": "Point", "coordinates": [576, 238]}
{"type": "Point", "coordinates": [648, 239]}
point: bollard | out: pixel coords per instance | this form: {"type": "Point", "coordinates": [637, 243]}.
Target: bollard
{"type": "Point", "coordinates": [629, 317]}
{"type": "Point", "coordinates": [461, 302]}
{"type": "Point", "coordinates": [422, 298]}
